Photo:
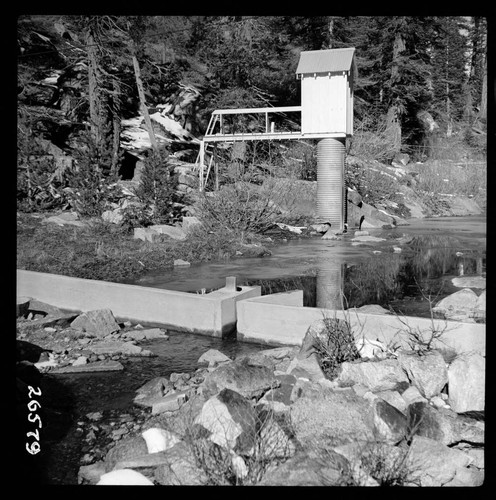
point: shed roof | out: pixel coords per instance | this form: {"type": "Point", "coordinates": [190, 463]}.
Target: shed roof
{"type": "Point", "coordinates": [323, 61]}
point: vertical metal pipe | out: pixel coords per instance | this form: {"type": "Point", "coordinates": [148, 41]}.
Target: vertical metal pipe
{"type": "Point", "coordinates": [330, 182]}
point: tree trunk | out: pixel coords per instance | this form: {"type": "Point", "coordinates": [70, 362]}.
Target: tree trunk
{"type": "Point", "coordinates": [393, 128]}
{"type": "Point", "coordinates": [116, 125]}
{"type": "Point", "coordinates": [393, 123]}
{"type": "Point", "coordinates": [141, 93]}
{"type": "Point", "coordinates": [483, 103]}
{"type": "Point", "coordinates": [93, 93]}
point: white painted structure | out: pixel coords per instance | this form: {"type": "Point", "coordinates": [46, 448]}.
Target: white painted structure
{"type": "Point", "coordinates": [327, 78]}
{"type": "Point", "coordinates": [282, 319]}
{"type": "Point", "coordinates": [276, 319]}
{"type": "Point", "coordinates": [326, 111]}
{"type": "Point", "coordinates": [212, 314]}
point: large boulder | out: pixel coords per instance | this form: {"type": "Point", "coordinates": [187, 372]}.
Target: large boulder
{"type": "Point", "coordinates": [169, 403]}
{"type": "Point", "coordinates": [412, 395]}
{"type": "Point", "coordinates": [124, 477]}
{"type": "Point", "coordinates": [173, 232]}
{"type": "Point", "coordinates": [354, 197]}
{"type": "Point", "coordinates": [158, 439]}
{"type": "Point", "coordinates": [100, 322]}
{"type": "Point", "coordinates": [338, 415]}
{"type": "Point", "coordinates": [155, 388]}
{"type": "Point", "coordinates": [230, 419]}
{"type": "Point", "coordinates": [307, 367]}
{"type": "Point", "coordinates": [444, 425]}
{"type": "Point", "coordinates": [394, 398]}
{"type": "Point", "coordinates": [213, 357]}
{"type": "Point", "coordinates": [466, 383]}
{"type": "Point", "coordinates": [373, 218]}
{"type": "Point", "coordinates": [434, 464]}
{"type": "Point", "coordinates": [390, 423]}
{"type": "Point", "coordinates": [458, 303]}
{"type": "Point", "coordinates": [190, 222]}
{"type": "Point", "coordinates": [180, 468]}
{"type": "Point", "coordinates": [381, 375]}
{"type": "Point", "coordinates": [479, 311]}
{"type": "Point", "coordinates": [469, 282]}
{"type": "Point", "coordinates": [279, 399]}
{"type": "Point", "coordinates": [251, 381]}
{"type": "Point", "coordinates": [305, 470]}
{"type": "Point", "coordinates": [127, 448]}
{"type": "Point", "coordinates": [64, 219]}
{"type": "Point", "coordinates": [145, 234]}
{"type": "Point", "coordinates": [427, 372]}
{"type": "Point", "coordinates": [90, 474]}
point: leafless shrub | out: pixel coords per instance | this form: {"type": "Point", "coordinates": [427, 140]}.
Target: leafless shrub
{"type": "Point", "coordinates": [421, 340]}
{"type": "Point", "coordinates": [336, 344]}
{"type": "Point", "coordinates": [223, 465]}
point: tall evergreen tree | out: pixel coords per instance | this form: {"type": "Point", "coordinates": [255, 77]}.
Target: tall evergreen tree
{"type": "Point", "coordinates": [449, 71]}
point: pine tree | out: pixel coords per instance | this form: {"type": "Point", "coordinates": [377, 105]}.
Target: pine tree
{"type": "Point", "coordinates": [449, 76]}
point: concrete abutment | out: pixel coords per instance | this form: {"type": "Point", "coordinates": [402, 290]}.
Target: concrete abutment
{"type": "Point", "coordinates": [275, 319]}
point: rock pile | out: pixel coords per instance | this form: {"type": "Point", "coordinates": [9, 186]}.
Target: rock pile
{"type": "Point", "coordinates": [70, 343]}
{"type": "Point", "coordinates": [274, 418]}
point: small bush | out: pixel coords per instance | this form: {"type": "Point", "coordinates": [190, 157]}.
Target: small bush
{"type": "Point", "coordinates": [335, 346]}
{"type": "Point", "coordinates": [156, 191]}
{"type": "Point", "coordinates": [239, 208]}
{"type": "Point", "coordinates": [204, 245]}
{"type": "Point", "coordinates": [422, 341]}
{"type": "Point", "coordinates": [136, 215]}
{"type": "Point", "coordinates": [386, 465]}
{"type": "Point", "coordinates": [92, 185]}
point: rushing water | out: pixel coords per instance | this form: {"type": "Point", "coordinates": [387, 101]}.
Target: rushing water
{"type": "Point", "coordinates": [329, 271]}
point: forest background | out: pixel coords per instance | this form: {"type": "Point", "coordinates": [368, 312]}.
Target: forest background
{"type": "Point", "coordinates": [421, 90]}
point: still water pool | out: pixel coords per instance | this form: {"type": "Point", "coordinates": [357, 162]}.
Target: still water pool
{"type": "Point", "coordinates": [342, 274]}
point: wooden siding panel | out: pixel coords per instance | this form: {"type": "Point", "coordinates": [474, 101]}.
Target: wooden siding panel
{"type": "Point", "coordinates": [324, 104]}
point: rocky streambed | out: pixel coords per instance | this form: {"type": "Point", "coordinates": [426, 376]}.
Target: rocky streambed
{"type": "Point", "coordinates": [266, 417]}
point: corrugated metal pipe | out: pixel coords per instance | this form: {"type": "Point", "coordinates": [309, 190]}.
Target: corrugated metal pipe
{"type": "Point", "coordinates": [330, 182]}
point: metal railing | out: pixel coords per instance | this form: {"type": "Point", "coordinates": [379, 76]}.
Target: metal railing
{"type": "Point", "coordinates": [250, 123]}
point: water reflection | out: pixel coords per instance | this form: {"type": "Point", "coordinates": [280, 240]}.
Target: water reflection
{"type": "Point", "coordinates": [335, 275]}
{"type": "Point", "coordinates": [330, 285]}
{"type": "Point", "coordinates": [403, 282]}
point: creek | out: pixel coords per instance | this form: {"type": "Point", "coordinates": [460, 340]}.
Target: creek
{"type": "Point", "coordinates": [337, 274]}
{"type": "Point", "coordinates": [331, 272]}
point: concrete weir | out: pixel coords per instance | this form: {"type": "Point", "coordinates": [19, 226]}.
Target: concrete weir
{"type": "Point", "coordinates": [282, 319]}
{"type": "Point", "coordinates": [211, 314]}
{"type": "Point", "coordinates": [275, 319]}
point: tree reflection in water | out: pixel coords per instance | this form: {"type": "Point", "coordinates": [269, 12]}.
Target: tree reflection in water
{"type": "Point", "coordinates": [424, 268]}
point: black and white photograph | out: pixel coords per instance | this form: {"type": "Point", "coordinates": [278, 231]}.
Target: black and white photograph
{"type": "Point", "coordinates": [251, 250]}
